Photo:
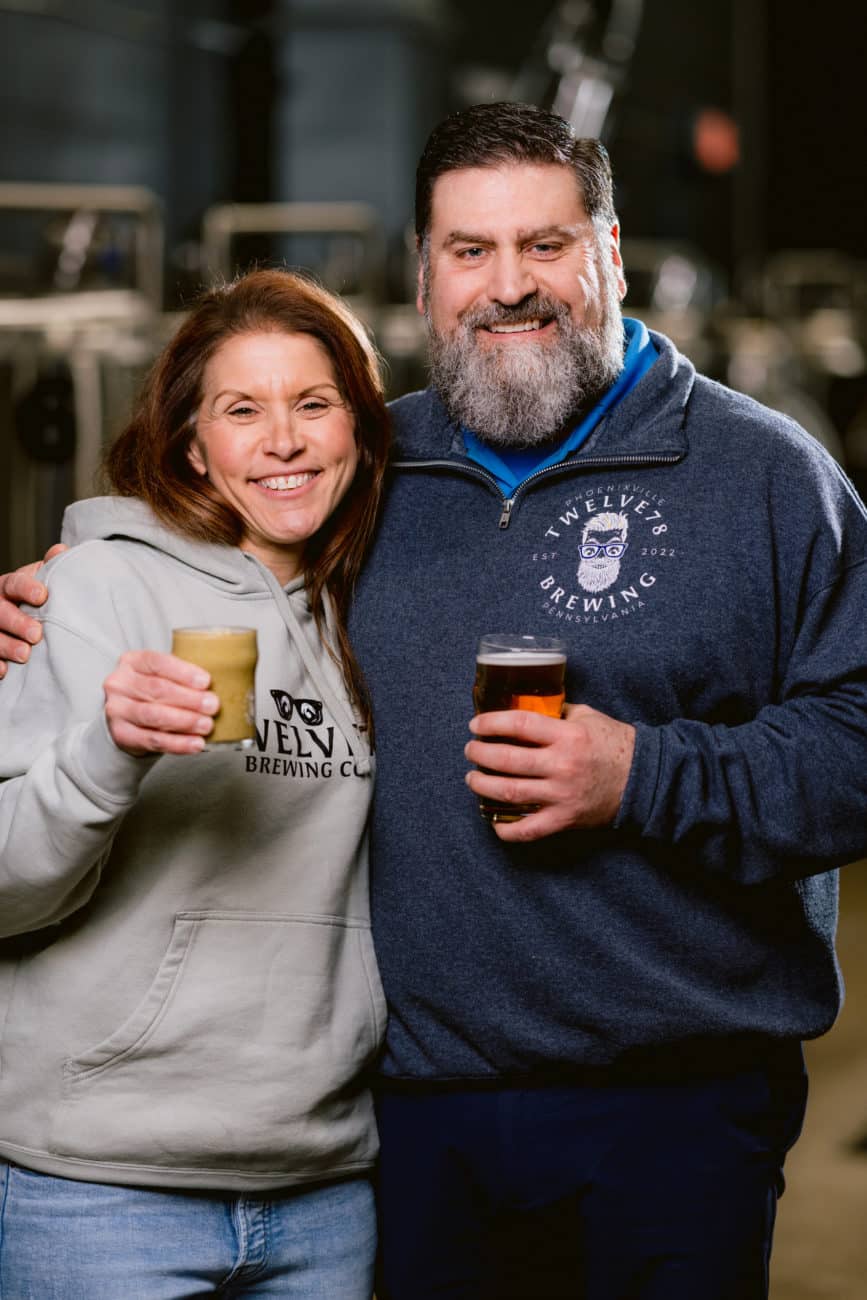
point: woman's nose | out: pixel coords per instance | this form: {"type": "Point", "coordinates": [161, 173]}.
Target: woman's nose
{"type": "Point", "coordinates": [284, 435]}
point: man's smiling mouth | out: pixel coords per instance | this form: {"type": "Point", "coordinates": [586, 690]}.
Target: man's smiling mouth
{"type": "Point", "coordinates": [518, 328]}
{"type": "Point", "coordinates": [524, 326]}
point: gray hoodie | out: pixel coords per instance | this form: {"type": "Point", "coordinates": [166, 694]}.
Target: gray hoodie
{"type": "Point", "coordinates": [188, 991]}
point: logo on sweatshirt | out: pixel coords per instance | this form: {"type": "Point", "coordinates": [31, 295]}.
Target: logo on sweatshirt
{"type": "Point", "coordinates": [297, 742]}
{"type": "Point", "coordinates": [601, 557]}
{"type": "Point", "coordinates": [603, 545]}
{"type": "Point", "coordinates": [309, 711]}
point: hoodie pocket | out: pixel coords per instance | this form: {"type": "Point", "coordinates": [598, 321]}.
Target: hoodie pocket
{"type": "Point", "coordinates": [245, 1052]}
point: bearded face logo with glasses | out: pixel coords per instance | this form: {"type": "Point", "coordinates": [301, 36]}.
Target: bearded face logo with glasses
{"type": "Point", "coordinates": [603, 545]}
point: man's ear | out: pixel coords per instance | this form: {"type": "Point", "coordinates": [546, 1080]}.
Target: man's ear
{"type": "Point", "coordinates": [617, 259]}
{"type": "Point", "coordinates": [419, 294]}
{"type": "Point", "coordinates": [195, 457]}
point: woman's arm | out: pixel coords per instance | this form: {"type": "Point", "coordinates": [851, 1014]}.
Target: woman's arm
{"type": "Point", "coordinates": [64, 785]}
{"type": "Point", "coordinates": [80, 733]}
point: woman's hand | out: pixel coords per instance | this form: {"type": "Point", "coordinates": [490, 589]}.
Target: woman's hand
{"type": "Point", "coordinates": [158, 704]}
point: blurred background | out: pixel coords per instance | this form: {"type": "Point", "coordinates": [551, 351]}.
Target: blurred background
{"type": "Point", "coordinates": [150, 147]}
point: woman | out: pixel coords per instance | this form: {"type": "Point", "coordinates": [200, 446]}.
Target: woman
{"type": "Point", "coordinates": [188, 988]}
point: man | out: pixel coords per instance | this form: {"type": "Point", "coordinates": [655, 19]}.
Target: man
{"type": "Point", "coordinates": [593, 1069]}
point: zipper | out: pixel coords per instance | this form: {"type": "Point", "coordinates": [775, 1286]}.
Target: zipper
{"type": "Point", "coordinates": [508, 503]}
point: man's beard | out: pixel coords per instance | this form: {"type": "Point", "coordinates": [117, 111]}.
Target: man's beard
{"type": "Point", "coordinates": [522, 395]}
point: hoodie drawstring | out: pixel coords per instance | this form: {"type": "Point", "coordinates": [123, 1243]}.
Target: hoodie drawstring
{"type": "Point", "coordinates": [335, 705]}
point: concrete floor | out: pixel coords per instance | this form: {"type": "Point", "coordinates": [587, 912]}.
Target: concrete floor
{"type": "Point", "coordinates": [821, 1237]}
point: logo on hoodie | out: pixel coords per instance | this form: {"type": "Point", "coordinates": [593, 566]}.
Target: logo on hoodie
{"type": "Point", "coordinates": [603, 554]}
{"type": "Point", "coordinates": [309, 711]}
{"type": "Point", "coordinates": [300, 743]}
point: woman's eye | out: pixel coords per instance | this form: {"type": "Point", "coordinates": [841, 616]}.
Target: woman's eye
{"type": "Point", "coordinates": [313, 406]}
{"type": "Point", "coordinates": [242, 410]}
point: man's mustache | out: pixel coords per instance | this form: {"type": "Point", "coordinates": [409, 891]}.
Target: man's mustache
{"type": "Point", "coordinates": [533, 307]}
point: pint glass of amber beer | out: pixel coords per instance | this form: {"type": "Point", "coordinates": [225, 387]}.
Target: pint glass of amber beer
{"type": "Point", "coordinates": [229, 654]}
{"type": "Point", "coordinates": [518, 672]}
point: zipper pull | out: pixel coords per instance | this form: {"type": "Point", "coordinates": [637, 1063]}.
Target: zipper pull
{"type": "Point", "coordinates": [506, 513]}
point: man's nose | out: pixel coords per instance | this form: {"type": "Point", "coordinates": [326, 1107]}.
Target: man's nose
{"type": "Point", "coordinates": [511, 280]}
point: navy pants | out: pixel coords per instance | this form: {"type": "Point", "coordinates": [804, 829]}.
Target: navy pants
{"type": "Point", "coordinates": [659, 1191]}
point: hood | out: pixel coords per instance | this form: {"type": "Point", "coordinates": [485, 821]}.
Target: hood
{"type": "Point", "coordinates": [227, 569]}
{"type": "Point", "coordinates": [423, 429]}
{"type": "Point", "coordinates": [103, 518]}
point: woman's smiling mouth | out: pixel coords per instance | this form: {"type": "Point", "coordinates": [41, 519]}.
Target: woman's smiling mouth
{"type": "Point", "coordinates": [286, 482]}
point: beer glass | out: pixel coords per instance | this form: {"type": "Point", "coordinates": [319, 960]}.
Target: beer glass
{"type": "Point", "coordinates": [518, 672]}
{"type": "Point", "coordinates": [229, 654]}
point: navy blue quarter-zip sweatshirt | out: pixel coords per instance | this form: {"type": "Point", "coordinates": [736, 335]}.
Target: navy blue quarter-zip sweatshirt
{"type": "Point", "coordinates": [731, 632]}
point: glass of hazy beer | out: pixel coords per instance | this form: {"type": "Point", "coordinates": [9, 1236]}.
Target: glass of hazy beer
{"type": "Point", "coordinates": [518, 672]}
{"type": "Point", "coordinates": [229, 654]}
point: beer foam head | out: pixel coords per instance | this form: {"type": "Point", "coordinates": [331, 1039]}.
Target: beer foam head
{"type": "Point", "coordinates": [213, 630]}
{"type": "Point", "coordinates": [526, 658]}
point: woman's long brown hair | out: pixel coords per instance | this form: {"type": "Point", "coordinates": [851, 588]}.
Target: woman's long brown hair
{"type": "Point", "coordinates": [149, 459]}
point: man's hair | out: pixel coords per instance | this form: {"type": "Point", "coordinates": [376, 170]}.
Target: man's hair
{"type": "Point", "coordinates": [150, 460]}
{"type": "Point", "coordinates": [497, 135]}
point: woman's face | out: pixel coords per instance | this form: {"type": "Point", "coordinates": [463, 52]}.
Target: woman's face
{"type": "Point", "coordinates": [277, 441]}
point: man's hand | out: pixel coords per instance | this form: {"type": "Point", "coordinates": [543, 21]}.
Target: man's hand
{"type": "Point", "coordinates": [575, 768]}
{"type": "Point", "coordinates": [158, 704]}
{"type": "Point", "coordinates": [19, 588]}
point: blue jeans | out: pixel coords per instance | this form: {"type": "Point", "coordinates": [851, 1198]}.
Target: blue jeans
{"type": "Point", "coordinates": [65, 1240]}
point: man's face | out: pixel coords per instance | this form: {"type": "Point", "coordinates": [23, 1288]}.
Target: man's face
{"type": "Point", "coordinates": [519, 296]}
{"type": "Point", "coordinates": [501, 234]}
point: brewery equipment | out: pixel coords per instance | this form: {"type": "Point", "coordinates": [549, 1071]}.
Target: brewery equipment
{"type": "Point", "coordinates": [580, 61]}
{"type": "Point", "coordinates": [344, 245]}
{"type": "Point", "coordinates": [673, 288]}
{"type": "Point", "coordinates": [820, 297]}
{"type": "Point", "coordinates": [76, 333]}
{"type": "Point", "coordinates": [342, 242]}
